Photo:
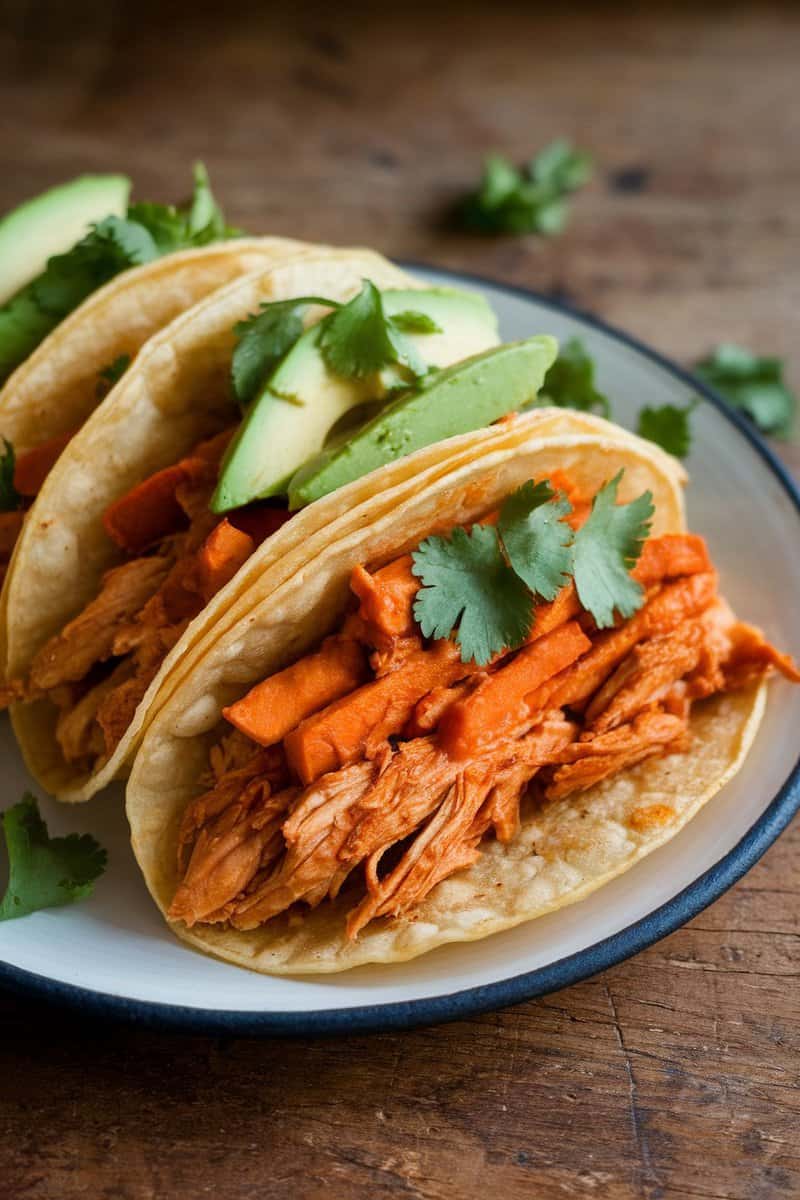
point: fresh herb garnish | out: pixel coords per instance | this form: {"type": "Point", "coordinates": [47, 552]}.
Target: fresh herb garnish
{"type": "Point", "coordinates": [263, 340]}
{"type": "Point", "coordinates": [468, 586]}
{"type": "Point", "coordinates": [112, 374]}
{"type": "Point", "coordinates": [529, 201]}
{"type": "Point", "coordinates": [480, 584]}
{"type": "Point", "coordinates": [10, 499]}
{"type": "Point", "coordinates": [45, 872]}
{"type": "Point", "coordinates": [606, 548]}
{"type": "Point", "coordinates": [570, 381]}
{"type": "Point", "coordinates": [112, 245]}
{"type": "Point", "coordinates": [536, 539]}
{"type": "Point", "coordinates": [358, 339]}
{"type": "Point", "coordinates": [668, 426]}
{"type": "Point", "coordinates": [753, 385]}
{"type": "Point", "coordinates": [200, 222]}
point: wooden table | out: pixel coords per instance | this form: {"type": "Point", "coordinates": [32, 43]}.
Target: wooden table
{"type": "Point", "coordinates": [675, 1074]}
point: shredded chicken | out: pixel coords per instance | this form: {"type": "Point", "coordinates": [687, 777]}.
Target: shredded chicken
{"type": "Point", "coordinates": [89, 638]}
{"type": "Point", "coordinates": [598, 756]}
{"type": "Point", "coordinates": [420, 763]}
{"type": "Point", "coordinates": [648, 671]}
{"type": "Point", "coordinates": [77, 731]}
{"type": "Point", "coordinates": [242, 839]}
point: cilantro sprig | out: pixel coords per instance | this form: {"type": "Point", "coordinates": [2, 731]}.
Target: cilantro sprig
{"type": "Point", "coordinates": [263, 339]}
{"type": "Point", "coordinates": [752, 384]}
{"type": "Point", "coordinates": [469, 587]}
{"type": "Point", "coordinates": [10, 499]}
{"type": "Point", "coordinates": [606, 547]}
{"type": "Point", "coordinates": [45, 872]}
{"type": "Point", "coordinates": [482, 585]}
{"type": "Point", "coordinates": [532, 200]}
{"type": "Point", "coordinates": [114, 244]}
{"type": "Point", "coordinates": [357, 339]}
{"type": "Point", "coordinates": [570, 381]}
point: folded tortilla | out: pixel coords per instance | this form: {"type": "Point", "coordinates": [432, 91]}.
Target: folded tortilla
{"type": "Point", "coordinates": [55, 390]}
{"type": "Point", "coordinates": [176, 393]}
{"type": "Point", "coordinates": [565, 849]}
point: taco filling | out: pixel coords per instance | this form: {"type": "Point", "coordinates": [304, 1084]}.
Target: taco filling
{"type": "Point", "coordinates": [185, 531]}
{"type": "Point", "coordinates": [23, 476]}
{"type": "Point", "coordinates": [178, 556]}
{"type": "Point", "coordinates": [547, 648]}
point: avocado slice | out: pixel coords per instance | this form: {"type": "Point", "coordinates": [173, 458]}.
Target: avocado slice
{"type": "Point", "coordinates": [304, 401]}
{"type": "Point", "coordinates": [466, 396]}
{"type": "Point", "coordinates": [53, 222]}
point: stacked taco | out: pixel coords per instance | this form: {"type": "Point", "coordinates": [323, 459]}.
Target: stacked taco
{"type": "Point", "coordinates": [69, 330]}
{"type": "Point", "coordinates": [395, 656]}
{"type": "Point", "coordinates": [518, 679]}
{"type": "Point", "coordinates": [241, 431]}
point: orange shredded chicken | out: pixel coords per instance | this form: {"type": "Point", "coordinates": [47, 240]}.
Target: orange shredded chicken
{"type": "Point", "coordinates": [390, 782]}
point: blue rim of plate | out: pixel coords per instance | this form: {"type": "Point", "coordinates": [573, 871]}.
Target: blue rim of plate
{"type": "Point", "coordinates": [409, 1014]}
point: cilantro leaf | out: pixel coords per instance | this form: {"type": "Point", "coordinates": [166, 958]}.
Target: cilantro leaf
{"type": "Point", "coordinates": [112, 374]}
{"type": "Point", "coordinates": [358, 340]}
{"type": "Point", "coordinates": [531, 201]}
{"type": "Point", "coordinates": [754, 385]}
{"type": "Point", "coordinates": [45, 872]}
{"type": "Point", "coordinates": [264, 339]}
{"type": "Point", "coordinates": [23, 325]}
{"type": "Point", "coordinates": [561, 167]}
{"type": "Point", "coordinates": [171, 228]}
{"type": "Point", "coordinates": [111, 246]}
{"type": "Point", "coordinates": [467, 586]}
{"type": "Point", "coordinates": [668, 426]}
{"type": "Point", "coordinates": [570, 381]}
{"type": "Point", "coordinates": [606, 547]}
{"type": "Point", "coordinates": [536, 539]}
{"type": "Point", "coordinates": [205, 217]}
{"type": "Point", "coordinates": [69, 278]}
{"type": "Point", "coordinates": [10, 498]}
{"type": "Point", "coordinates": [413, 321]}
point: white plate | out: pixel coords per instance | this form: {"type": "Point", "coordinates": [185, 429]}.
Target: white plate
{"type": "Point", "coordinates": [113, 953]}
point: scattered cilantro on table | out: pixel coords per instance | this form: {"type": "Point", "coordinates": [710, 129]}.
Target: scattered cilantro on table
{"type": "Point", "coordinates": [570, 381]}
{"type": "Point", "coordinates": [114, 244]}
{"type": "Point", "coordinates": [10, 499]}
{"type": "Point", "coordinates": [45, 872]}
{"type": "Point", "coordinates": [481, 585]}
{"type": "Point", "coordinates": [754, 385]}
{"type": "Point", "coordinates": [532, 200]}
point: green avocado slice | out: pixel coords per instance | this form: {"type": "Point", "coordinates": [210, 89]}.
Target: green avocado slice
{"type": "Point", "coordinates": [469, 395]}
{"type": "Point", "coordinates": [305, 405]}
{"type": "Point", "coordinates": [51, 223]}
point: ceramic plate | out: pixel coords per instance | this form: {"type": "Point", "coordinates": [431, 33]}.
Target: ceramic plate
{"type": "Point", "coordinates": [113, 954]}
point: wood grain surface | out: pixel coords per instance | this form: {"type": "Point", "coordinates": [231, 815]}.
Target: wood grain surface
{"type": "Point", "coordinates": [674, 1075]}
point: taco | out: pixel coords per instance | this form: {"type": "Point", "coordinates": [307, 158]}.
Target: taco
{"type": "Point", "coordinates": [159, 513]}
{"type": "Point", "coordinates": [51, 395]}
{"type": "Point", "coordinates": [68, 333]}
{"type": "Point", "coordinates": [501, 693]}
